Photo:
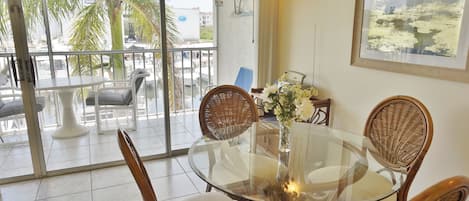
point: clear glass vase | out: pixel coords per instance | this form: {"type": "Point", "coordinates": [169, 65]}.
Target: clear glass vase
{"type": "Point", "coordinates": [284, 138]}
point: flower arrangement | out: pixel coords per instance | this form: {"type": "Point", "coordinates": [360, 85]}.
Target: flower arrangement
{"type": "Point", "coordinates": [290, 102]}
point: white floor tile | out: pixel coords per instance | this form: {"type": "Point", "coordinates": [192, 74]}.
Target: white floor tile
{"type": "Point", "coordinates": [97, 158]}
{"type": "Point", "coordinates": [149, 139]}
{"type": "Point", "coordinates": [21, 191]}
{"type": "Point", "coordinates": [163, 168]}
{"type": "Point", "coordinates": [17, 161]}
{"type": "Point", "coordinates": [113, 176]}
{"type": "Point", "coordinates": [4, 150]}
{"type": "Point", "coordinates": [69, 154]}
{"type": "Point", "coordinates": [5, 173]}
{"type": "Point", "coordinates": [65, 184]}
{"type": "Point", "coordinates": [173, 186]}
{"type": "Point", "coordinates": [67, 164]}
{"type": "Point", "coordinates": [20, 149]}
{"type": "Point", "coordinates": [184, 198]}
{"type": "Point", "coordinates": [197, 181]}
{"type": "Point", "coordinates": [71, 142]}
{"type": "Point", "coordinates": [103, 138]}
{"type": "Point", "coordinates": [182, 160]}
{"type": "Point", "coordinates": [126, 192]}
{"type": "Point", "coordinates": [84, 196]}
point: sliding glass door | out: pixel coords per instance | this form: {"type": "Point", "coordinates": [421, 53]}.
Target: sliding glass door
{"type": "Point", "coordinates": [21, 153]}
{"type": "Point", "coordinates": [61, 51]}
{"type": "Point", "coordinates": [192, 54]}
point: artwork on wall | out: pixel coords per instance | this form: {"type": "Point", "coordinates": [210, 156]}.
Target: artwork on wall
{"type": "Point", "coordinates": [420, 37]}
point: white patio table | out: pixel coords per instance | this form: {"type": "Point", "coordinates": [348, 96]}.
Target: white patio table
{"type": "Point", "coordinates": [66, 88]}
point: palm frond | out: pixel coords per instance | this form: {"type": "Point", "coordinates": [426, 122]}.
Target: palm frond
{"type": "Point", "coordinates": [88, 32]}
{"type": "Point", "coordinates": [88, 29]}
{"type": "Point", "coordinates": [4, 19]}
{"type": "Point", "coordinates": [32, 13]}
{"type": "Point", "coordinates": [62, 9]}
{"type": "Point", "coordinates": [145, 15]}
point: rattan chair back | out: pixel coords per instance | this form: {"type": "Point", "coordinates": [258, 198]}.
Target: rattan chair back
{"type": "Point", "coordinates": [135, 165]}
{"type": "Point", "coordinates": [451, 189]}
{"type": "Point", "coordinates": [401, 129]}
{"type": "Point", "coordinates": [226, 112]}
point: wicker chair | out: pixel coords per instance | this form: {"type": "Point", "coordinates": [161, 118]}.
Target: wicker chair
{"type": "Point", "coordinates": [401, 129]}
{"type": "Point", "coordinates": [139, 172]}
{"type": "Point", "coordinates": [451, 189]}
{"type": "Point", "coordinates": [226, 112]}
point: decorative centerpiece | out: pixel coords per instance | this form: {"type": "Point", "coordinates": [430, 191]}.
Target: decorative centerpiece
{"type": "Point", "coordinates": [290, 102]}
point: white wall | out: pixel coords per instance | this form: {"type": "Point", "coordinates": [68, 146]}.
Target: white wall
{"type": "Point", "coordinates": [235, 44]}
{"type": "Point", "coordinates": [315, 37]}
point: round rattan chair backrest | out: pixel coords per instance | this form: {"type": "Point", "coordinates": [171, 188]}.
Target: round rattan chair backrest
{"type": "Point", "coordinates": [226, 112]}
{"type": "Point", "coordinates": [401, 129]}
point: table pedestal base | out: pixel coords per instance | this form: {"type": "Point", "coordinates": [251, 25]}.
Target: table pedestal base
{"type": "Point", "coordinates": [70, 127]}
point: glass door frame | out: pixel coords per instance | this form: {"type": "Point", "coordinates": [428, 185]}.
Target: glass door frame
{"type": "Point", "coordinates": [27, 80]}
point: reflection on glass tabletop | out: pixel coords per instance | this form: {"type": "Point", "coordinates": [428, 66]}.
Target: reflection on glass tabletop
{"type": "Point", "coordinates": [323, 164]}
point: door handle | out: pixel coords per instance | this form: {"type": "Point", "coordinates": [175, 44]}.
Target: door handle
{"type": "Point", "coordinates": [13, 67]}
{"type": "Point", "coordinates": [33, 72]}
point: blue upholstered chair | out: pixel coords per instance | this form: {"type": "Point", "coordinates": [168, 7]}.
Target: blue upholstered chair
{"type": "Point", "coordinates": [244, 79]}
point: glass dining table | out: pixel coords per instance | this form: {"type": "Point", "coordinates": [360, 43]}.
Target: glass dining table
{"type": "Point", "coordinates": [323, 164]}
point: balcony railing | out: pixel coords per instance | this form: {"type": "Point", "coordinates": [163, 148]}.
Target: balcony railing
{"type": "Point", "coordinates": [192, 70]}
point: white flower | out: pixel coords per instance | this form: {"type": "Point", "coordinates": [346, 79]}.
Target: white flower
{"type": "Point", "coordinates": [304, 109]}
{"type": "Point", "coordinates": [272, 89]}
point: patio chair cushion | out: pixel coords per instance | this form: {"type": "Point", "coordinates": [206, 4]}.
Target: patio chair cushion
{"type": "Point", "coordinates": [138, 83]}
{"type": "Point", "coordinates": [113, 97]}
{"type": "Point", "coordinates": [16, 107]}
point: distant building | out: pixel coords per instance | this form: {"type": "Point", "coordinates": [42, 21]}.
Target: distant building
{"type": "Point", "coordinates": [206, 19]}
{"type": "Point", "coordinates": [187, 22]}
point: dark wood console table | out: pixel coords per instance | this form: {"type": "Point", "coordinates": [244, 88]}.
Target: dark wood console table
{"type": "Point", "coordinates": [321, 114]}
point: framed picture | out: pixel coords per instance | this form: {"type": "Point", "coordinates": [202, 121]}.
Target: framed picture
{"type": "Point", "coordinates": [420, 37]}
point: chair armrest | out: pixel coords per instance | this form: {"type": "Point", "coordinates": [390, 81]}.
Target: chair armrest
{"type": "Point", "coordinates": [146, 74]}
{"type": "Point", "coordinates": [110, 89]}
{"type": "Point", "coordinates": [113, 83]}
{"type": "Point", "coordinates": [457, 186]}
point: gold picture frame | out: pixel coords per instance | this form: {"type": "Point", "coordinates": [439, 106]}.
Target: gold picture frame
{"type": "Point", "coordinates": [424, 53]}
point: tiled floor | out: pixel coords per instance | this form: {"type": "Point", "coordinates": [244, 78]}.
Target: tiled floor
{"type": "Point", "coordinates": [172, 180]}
{"type": "Point", "coordinates": [15, 158]}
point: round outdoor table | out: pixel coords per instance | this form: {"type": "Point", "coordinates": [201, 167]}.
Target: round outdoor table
{"type": "Point", "coordinates": [323, 164]}
{"type": "Point", "coordinates": [66, 90]}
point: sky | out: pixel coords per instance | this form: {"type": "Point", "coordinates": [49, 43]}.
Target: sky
{"type": "Point", "coordinates": [204, 5]}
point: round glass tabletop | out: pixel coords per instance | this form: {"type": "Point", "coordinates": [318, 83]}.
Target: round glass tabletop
{"type": "Point", "coordinates": [323, 164]}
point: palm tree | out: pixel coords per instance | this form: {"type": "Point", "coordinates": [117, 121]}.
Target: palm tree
{"type": "Point", "coordinates": [89, 28]}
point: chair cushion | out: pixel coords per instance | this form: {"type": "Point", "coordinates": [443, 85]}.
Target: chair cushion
{"type": "Point", "coordinates": [212, 196]}
{"type": "Point", "coordinates": [138, 83]}
{"type": "Point", "coordinates": [114, 97]}
{"type": "Point", "coordinates": [16, 107]}
{"type": "Point", "coordinates": [371, 185]}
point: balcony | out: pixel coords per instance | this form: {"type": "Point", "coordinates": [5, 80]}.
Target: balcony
{"type": "Point", "coordinates": [192, 70]}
